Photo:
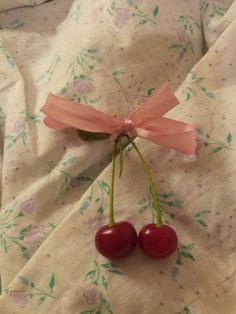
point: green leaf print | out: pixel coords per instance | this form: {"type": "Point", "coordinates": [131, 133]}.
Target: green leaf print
{"type": "Point", "coordinates": [112, 9]}
{"type": "Point", "coordinates": [104, 282]}
{"type": "Point", "coordinates": [185, 32]}
{"type": "Point", "coordinates": [155, 11]}
{"type": "Point", "coordinates": [177, 46]}
{"type": "Point", "coordinates": [4, 245]}
{"type": "Point", "coordinates": [20, 127]}
{"type": "Point", "coordinates": [182, 251]}
{"type": "Point", "coordinates": [38, 293]}
{"type": "Point", "coordinates": [229, 138]}
{"type": "Point", "coordinates": [24, 280]}
{"type": "Point", "coordinates": [91, 273]}
{"type": "Point", "coordinates": [187, 255]}
{"type": "Point", "coordinates": [106, 305]}
{"type": "Point", "coordinates": [25, 230]}
{"type": "Point", "coordinates": [216, 146]}
{"type": "Point", "coordinates": [100, 210]}
{"type": "Point", "coordinates": [106, 187]}
{"type": "Point", "coordinates": [114, 271]}
{"type": "Point", "coordinates": [48, 74]}
{"type": "Point", "coordinates": [98, 279]}
{"type": "Point", "coordinates": [212, 10]}
{"type": "Point", "coordinates": [6, 225]}
{"type": "Point", "coordinates": [217, 149]}
{"type": "Point", "coordinates": [186, 311]}
{"type": "Point", "coordinates": [201, 222]}
{"type": "Point", "coordinates": [202, 213]}
{"type": "Point", "coordinates": [52, 282]}
{"type": "Point", "coordinates": [85, 77]}
{"type": "Point", "coordinates": [143, 17]}
{"type": "Point", "coordinates": [75, 15]}
{"type": "Point", "coordinates": [84, 206]}
{"type": "Point", "coordinates": [188, 246]}
{"type": "Point", "coordinates": [40, 301]}
{"type": "Point", "coordinates": [191, 92]}
{"type": "Point", "coordinates": [4, 52]}
{"type": "Point", "coordinates": [109, 265]}
{"type": "Point", "coordinates": [96, 276]}
{"type": "Point", "coordinates": [150, 91]}
{"type": "Point", "coordinates": [147, 203]}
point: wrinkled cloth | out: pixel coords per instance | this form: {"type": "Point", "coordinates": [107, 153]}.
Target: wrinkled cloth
{"type": "Point", "coordinates": [55, 187]}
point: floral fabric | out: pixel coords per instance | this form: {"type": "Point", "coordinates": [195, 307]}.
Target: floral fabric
{"type": "Point", "coordinates": [55, 188]}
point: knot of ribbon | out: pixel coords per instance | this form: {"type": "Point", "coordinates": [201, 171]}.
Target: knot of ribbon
{"type": "Point", "coordinates": [128, 126]}
{"type": "Point", "coordinates": [146, 121]}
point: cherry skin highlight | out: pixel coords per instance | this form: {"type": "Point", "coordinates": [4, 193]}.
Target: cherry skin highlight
{"type": "Point", "coordinates": [117, 241]}
{"type": "Point", "coordinates": [158, 242]}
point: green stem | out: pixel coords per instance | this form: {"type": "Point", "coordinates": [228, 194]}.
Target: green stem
{"type": "Point", "coordinates": [6, 235]}
{"type": "Point", "coordinates": [44, 294]}
{"type": "Point", "coordinates": [150, 180]}
{"type": "Point", "coordinates": [6, 214]}
{"type": "Point", "coordinates": [111, 209]}
{"type": "Point", "coordinates": [102, 193]}
{"type": "Point", "coordinates": [221, 144]}
{"type": "Point", "coordinates": [98, 272]}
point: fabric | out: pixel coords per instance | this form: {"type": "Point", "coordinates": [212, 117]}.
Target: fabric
{"type": "Point", "coordinates": [112, 55]}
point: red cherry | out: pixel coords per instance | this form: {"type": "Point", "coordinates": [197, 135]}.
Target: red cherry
{"type": "Point", "coordinates": [156, 241]}
{"type": "Point", "coordinates": [116, 241]}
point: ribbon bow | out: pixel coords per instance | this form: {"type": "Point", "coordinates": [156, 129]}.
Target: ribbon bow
{"type": "Point", "coordinates": [146, 121]}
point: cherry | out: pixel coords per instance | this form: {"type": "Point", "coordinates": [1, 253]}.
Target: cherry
{"type": "Point", "coordinates": [116, 241]}
{"type": "Point", "coordinates": [158, 242]}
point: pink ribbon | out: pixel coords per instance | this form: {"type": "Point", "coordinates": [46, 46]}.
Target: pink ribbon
{"type": "Point", "coordinates": [146, 121]}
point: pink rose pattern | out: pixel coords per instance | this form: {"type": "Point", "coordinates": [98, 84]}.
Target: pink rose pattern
{"type": "Point", "coordinates": [96, 222]}
{"type": "Point", "coordinates": [19, 126]}
{"type": "Point", "coordinates": [35, 236]}
{"type": "Point", "coordinates": [20, 298]}
{"type": "Point", "coordinates": [102, 72]}
{"type": "Point", "coordinates": [84, 87]}
{"type": "Point", "coordinates": [28, 207]}
{"type": "Point", "coordinates": [121, 17]}
{"type": "Point", "coordinates": [182, 34]}
{"type": "Point", "coordinates": [91, 294]}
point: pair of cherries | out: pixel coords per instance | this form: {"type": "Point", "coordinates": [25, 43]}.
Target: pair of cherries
{"type": "Point", "coordinates": [117, 240]}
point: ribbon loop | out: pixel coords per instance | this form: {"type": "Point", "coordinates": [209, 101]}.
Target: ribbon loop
{"type": "Point", "coordinates": [146, 121]}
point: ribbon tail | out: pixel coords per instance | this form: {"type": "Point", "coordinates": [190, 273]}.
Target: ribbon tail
{"type": "Point", "coordinates": [184, 142]}
{"type": "Point", "coordinates": [63, 113]}
{"type": "Point", "coordinates": [54, 124]}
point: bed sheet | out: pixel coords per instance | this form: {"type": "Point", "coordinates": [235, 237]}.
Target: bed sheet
{"type": "Point", "coordinates": [112, 55]}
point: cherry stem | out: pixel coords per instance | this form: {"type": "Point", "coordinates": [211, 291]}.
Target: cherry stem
{"type": "Point", "coordinates": [150, 180]}
{"type": "Point", "coordinates": [111, 209]}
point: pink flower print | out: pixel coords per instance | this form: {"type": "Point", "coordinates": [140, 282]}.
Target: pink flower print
{"type": "Point", "coordinates": [20, 298]}
{"type": "Point", "coordinates": [27, 207]}
{"type": "Point", "coordinates": [102, 72]}
{"type": "Point", "coordinates": [34, 236]}
{"type": "Point", "coordinates": [75, 182]}
{"type": "Point", "coordinates": [84, 87]}
{"type": "Point", "coordinates": [122, 17]}
{"type": "Point", "coordinates": [182, 35]}
{"type": "Point", "coordinates": [96, 222]}
{"type": "Point", "coordinates": [199, 146]}
{"type": "Point", "coordinates": [19, 125]}
{"type": "Point", "coordinates": [91, 294]}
